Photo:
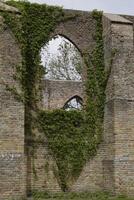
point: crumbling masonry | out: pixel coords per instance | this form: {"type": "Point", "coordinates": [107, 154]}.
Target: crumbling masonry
{"type": "Point", "coordinates": [112, 169]}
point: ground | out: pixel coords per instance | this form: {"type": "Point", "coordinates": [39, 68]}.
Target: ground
{"type": "Point", "coordinates": [82, 196]}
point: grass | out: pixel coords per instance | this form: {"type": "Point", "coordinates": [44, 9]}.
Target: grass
{"type": "Point", "coordinates": [77, 196]}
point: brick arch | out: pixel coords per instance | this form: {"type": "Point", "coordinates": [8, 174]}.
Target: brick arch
{"type": "Point", "coordinates": [67, 38]}
{"type": "Point", "coordinates": [79, 94]}
{"type": "Point", "coordinates": [70, 39]}
{"type": "Point", "coordinates": [73, 97]}
{"type": "Point", "coordinates": [78, 28]}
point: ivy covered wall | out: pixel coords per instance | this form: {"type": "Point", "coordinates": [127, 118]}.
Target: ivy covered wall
{"type": "Point", "coordinates": [72, 137]}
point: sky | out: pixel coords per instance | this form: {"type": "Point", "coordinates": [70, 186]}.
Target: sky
{"type": "Point", "coordinates": [108, 6]}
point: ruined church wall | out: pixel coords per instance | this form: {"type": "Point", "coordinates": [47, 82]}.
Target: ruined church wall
{"type": "Point", "coordinates": [112, 167]}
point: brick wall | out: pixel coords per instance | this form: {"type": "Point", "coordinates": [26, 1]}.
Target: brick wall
{"type": "Point", "coordinates": [112, 168]}
{"type": "Point", "coordinates": [57, 92]}
{"type": "Point", "coordinates": [12, 166]}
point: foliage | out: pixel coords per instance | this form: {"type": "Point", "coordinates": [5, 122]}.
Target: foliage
{"type": "Point", "coordinates": [96, 83]}
{"type": "Point", "coordinates": [66, 64]}
{"type": "Point", "coordinates": [73, 137]}
{"type": "Point", "coordinates": [73, 142]}
{"type": "Point", "coordinates": [32, 29]}
{"type": "Point", "coordinates": [77, 196]}
{"type": "Point", "coordinates": [37, 195]}
{"type": "Point", "coordinates": [67, 142]}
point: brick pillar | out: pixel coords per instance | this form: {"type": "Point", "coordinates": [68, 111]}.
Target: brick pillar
{"type": "Point", "coordinates": [119, 111]}
{"type": "Point", "coordinates": [12, 165]}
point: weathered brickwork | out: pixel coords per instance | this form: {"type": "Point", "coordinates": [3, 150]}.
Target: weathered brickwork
{"type": "Point", "coordinates": [112, 169]}
{"type": "Point", "coordinates": [120, 95]}
{"type": "Point", "coordinates": [12, 166]}
{"type": "Point", "coordinates": [43, 178]}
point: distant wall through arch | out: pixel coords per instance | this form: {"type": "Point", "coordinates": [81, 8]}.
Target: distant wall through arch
{"type": "Point", "coordinates": [57, 92]}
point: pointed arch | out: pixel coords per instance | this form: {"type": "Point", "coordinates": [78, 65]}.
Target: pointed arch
{"type": "Point", "coordinates": [74, 103]}
{"type": "Point", "coordinates": [68, 38]}
{"type": "Point", "coordinates": [62, 59]}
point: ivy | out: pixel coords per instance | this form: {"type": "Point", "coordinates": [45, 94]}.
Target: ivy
{"type": "Point", "coordinates": [96, 83]}
{"type": "Point", "coordinates": [66, 140]}
{"type": "Point", "coordinates": [73, 137]}
{"type": "Point", "coordinates": [32, 30]}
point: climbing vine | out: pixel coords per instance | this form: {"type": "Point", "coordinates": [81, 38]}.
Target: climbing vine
{"type": "Point", "coordinates": [96, 83]}
{"type": "Point", "coordinates": [66, 140]}
{"type": "Point", "coordinates": [72, 136]}
{"type": "Point", "coordinates": [32, 30]}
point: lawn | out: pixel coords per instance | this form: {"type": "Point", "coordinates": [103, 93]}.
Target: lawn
{"type": "Point", "coordinates": [80, 196]}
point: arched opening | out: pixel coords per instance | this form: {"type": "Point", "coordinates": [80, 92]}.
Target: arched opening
{"type": "Point", "coordinates": [75, 103]}
{"type": "Point", "coordinates": [62, 60]}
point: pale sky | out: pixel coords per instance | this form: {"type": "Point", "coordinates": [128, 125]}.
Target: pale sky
{"type": "Point", "coordinates": [109, 6]}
